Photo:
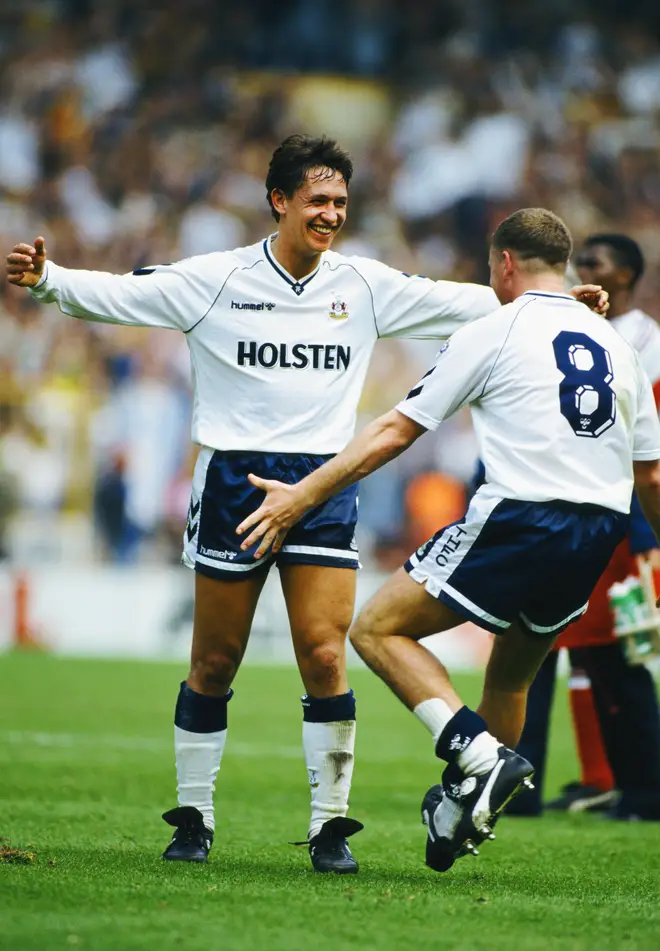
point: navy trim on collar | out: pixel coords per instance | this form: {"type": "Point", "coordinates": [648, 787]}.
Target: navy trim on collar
{"type": "Point", "coordinates": [296, 286]}
{"type": "Point", "coordinates": [550, 294]}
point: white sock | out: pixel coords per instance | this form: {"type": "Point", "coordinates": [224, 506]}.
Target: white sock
{"type": "Point", "coordinates": [198, 757]}
{"type": "Point", "coordinates": [329, 756]}
{"type": "Point", "coordinates": [435, 714]}
{"type": "Point", "coordinates": [480, 755]}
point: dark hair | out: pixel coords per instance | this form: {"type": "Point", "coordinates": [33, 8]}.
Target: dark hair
{"type": "Point", "coordinates": [293, 159]}
{"type": "Point", "coordinates": [625, 252]}
{"type": "Point", "coordinates": [535, 234]}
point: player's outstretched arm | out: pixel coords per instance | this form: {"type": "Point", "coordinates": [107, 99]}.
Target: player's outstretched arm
{"type": "Point", "coordinates": [175, 296]}
{"type": "Point", "coordinates": [284, 505]}
{"type": "Point", "coordinates": [413, 306]}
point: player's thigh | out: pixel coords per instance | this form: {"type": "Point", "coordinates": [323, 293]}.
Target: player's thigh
{"type": "Point", "coordinates": [515, 659]}
{"type": "Point", "coordinates": [403, 607]}
{"type": "Point", "coordinates": [223, 616]}
{"type": "Point", "coordinates": [320, 601]}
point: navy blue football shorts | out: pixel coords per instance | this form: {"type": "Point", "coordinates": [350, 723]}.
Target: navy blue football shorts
{"type": "Point", "coordinates": [531, 562]}
{"type": "Point", "coordinates": [222, 497]}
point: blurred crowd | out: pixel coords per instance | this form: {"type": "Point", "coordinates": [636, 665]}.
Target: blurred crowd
{"type": "Point", "coordinates": [140, 133]}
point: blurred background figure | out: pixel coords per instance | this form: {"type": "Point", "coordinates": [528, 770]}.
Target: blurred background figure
{"type": "Point", "coordinates": [131, 134]}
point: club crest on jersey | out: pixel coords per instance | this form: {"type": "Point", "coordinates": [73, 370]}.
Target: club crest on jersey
{"type": "Point", "coordinates": [338, 310]}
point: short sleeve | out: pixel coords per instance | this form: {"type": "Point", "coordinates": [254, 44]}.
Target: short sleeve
{"type": "Point", "coordinates": [459, 375]}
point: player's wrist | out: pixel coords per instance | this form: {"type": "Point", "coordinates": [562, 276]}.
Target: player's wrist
{"type": "Point", "coordinates": [308, 496]}
{"type": "Point", "coordinates": [37, 278]}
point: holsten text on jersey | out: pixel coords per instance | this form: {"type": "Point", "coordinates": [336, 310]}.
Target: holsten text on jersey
{"type": "Point", "coordinates": [297, 356]}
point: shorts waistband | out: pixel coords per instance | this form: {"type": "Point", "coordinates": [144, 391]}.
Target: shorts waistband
{"type": "Point", "coordinates": [580, 508]}
{"type": "Point", "coordinates": [233, 453]}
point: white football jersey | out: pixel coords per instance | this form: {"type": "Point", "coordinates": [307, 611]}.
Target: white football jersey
{"type": "Point", "coordinates": [560, 404]}
{"type": "Point", "coordinates": [643, 334]}
{"type": "Point", "coordinates": [278, 364]}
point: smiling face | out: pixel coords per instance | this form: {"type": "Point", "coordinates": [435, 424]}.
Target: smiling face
{"type": "Point", "coordinates": [312, 217]}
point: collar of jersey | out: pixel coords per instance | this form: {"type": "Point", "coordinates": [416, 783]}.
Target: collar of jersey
{"type": "Point", "coordinates": [549, 294]}
{"type": "Point", "coordinates": [296, 286]}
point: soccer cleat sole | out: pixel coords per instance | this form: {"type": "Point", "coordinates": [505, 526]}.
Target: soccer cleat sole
{"type": "Point", "coordinates": [336, 870]}
{"type": "Point", "coordinates": [195, 860]}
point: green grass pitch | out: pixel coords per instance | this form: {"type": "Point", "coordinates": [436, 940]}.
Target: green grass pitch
{"type": "Point", "coordinates": [86, 768]}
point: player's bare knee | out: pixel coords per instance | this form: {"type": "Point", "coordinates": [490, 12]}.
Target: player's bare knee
{"type": "Point", "coordinates": [213, 673]}
{"type": "Point", "coordinates": [370, 626]}
{"type": "Point", "coordinates": [322, 665]}
{"type": "Point", "coordinates": [361, 636]}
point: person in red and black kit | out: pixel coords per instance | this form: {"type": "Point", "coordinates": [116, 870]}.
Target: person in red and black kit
{"type": "Point", "coordinates": [614, 704]}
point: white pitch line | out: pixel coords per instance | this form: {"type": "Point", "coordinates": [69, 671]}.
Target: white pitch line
{"type": "Point", "coordinates": [140, 744]}
{"type": "Point", "coordinates": [143, 744]}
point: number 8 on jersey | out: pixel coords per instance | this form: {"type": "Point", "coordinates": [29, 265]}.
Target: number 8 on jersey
{"type": "Point", "coordinates": [586, 397]}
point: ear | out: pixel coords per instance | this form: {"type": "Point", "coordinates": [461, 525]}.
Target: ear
{"type": "Point", "coordinates": [279, 201]}
{"type": "Point", "coordinates": [509, 263]}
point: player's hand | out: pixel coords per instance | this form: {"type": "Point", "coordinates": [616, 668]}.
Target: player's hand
{"type": "Point", "coordinates": [593, 296]}
{"type": "Point", "coordinates": [283, 506]}
{"type": "Point", "coordinates": [26, 262]}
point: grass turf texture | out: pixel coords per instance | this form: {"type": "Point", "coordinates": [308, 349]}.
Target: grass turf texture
{"type": "Point", "coordinates": [86, 767]}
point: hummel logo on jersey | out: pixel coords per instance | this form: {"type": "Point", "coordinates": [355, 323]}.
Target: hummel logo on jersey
{"type": "Point", "coordinates": [213, 553]}
{"type": "Point", "coordinates": [297, 356]}
{"type": "Point", "coordinates": [245, 305]}
{"type": "Point", "coordinates": [416, 390]}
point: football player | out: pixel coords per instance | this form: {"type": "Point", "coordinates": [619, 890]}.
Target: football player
{"type": "Point", "coordinates": [566, 423]}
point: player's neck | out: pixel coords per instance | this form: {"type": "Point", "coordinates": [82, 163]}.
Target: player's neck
{"type": "Point", "coordinates": [620, 303]}
{"type": "Point", "coordinates": [288, 256]}
{"type": "Point", "coordinates": [550, 283]}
